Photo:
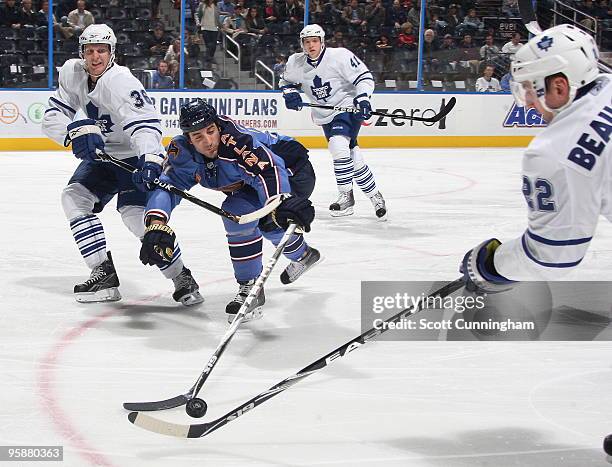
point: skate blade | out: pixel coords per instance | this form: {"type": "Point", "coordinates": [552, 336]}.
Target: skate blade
{"type": "Point", "coordinates": [343, 213]}
{"type": "Point", "coordinates": [191, 299]}
{"type": "Point", "coordinates": [383, 218]}
{"type": "Point", "coordinates": [253, 315]}
{"type": "Point", "coordinates": [106, 295]}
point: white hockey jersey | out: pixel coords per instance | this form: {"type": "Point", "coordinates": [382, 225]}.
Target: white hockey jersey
{"type": "Point", "coordinates": [567, 182]}
{"type": "Point", "coordinates": [130, 124]}
{"type": "Point", "coordinates": [335, 78]}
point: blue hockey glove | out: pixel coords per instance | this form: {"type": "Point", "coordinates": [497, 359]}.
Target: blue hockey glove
{"type": "Point", "coordinates": [86, 137]}
{"type": "Point", "coordinates": [293, 100]}
{"type": "Point", "coordinates": [149, 169]}
{"type": "Point", "coordinates": [362, 102]}
{"type": "Point", "coordinates": [157, 245]}
{"type": "Point", "coordinates": [479, 271]}
{"type": "Point", "coordinates": [294, 209]}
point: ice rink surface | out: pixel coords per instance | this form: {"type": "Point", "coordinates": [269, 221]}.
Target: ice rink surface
{"type": "Point", "coordinates": [66, 368]}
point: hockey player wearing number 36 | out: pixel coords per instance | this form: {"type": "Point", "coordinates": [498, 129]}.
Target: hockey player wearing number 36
{"type": "Point", "coordinates": [567, 168]}
{"type": "Point", "coordinates": [122, 121]}
{"type": "Point", "coordinates": [252, 168]}
{"type": "Point", "coordinates": [335, 77]}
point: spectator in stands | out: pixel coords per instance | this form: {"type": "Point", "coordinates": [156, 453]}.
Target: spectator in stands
{"type": "Point", "coordinates": [468, 54]}
{"type": "Point", "coordinates": [209, 21]}
{"type": "Point", "coordinates": [588, 8]}
{"type": "Point", "coordinates": [67, 30]}
{"type": "Point", "coordinates": [505, 82]}
{"type": "Point", "coordinates": [234, 25]}
{"type": "Point", "coordinates": [448, 53]}
{"type": "Point", "coordinates": [10, 15]}
{"type": "Point", "coordinates": [407, 39]}
{"type": "Point", "coordinates": [354, 16]}
{"type": "Point", "coordinates": [161, 79]}
{"type": "Point", "coordinates": [414, 15]}
{"type": "Point", "coordinates": [43, 17]}
{"type": "Point", "coordinates": [317, 11]}
{"type": "Point", "coordinates": [487, 83]}
{"type": "Point", "coordinates": [279, 66]}
{"type": "Point", "coordinates": [375, 16]}
{"type": "Point", "coordinates": [256, 25]}
{"type": "Point", "coordinates": [511, 47]}
{"type": "Point", "coordinates": [337, 40]}
{"type": "Point", "coordinates": [158, 42]}
{"type": "Point", "coordinates": [80, 18]}
{"type": "Point", "coordinates": [29, 17]}
{"type": "Point", "coordinates": [489, 50]}
{"type": "Point", "coordinates": [439, 26]}
{"type": "Point", "coordinates": [604, 12]}
{"type": "Point", "coordinates": [396, 15]}
{"type": "Point", "coordinates": [510, 8]}
{"type": "Point", "coordinates": [431, 60]}
{"type": "Point", "coordinates": [384, 46]}
{"type": "Point", "coordinates": [226, 8]}
{"type": "Point", "coordinates": [471, 24]}
{"type": "Point", "coordinates": [173, 58]}
{"type": "Point", "coordinates": [272, 17]}
{"type": "Point", "coordinates": [292, 15]}
{"type": "Point", "coordinates": [452, 18]}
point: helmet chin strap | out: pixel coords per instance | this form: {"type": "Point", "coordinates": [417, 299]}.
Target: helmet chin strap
{"type": "Point", "coordinates": [320, 51]}
{"type": "Point", "coordinates": [556, 111]}
{"type": "Point", "coordinates": [111, 62]}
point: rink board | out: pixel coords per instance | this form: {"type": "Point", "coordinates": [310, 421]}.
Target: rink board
{"type": "Point", "coordinates": [477, 119]}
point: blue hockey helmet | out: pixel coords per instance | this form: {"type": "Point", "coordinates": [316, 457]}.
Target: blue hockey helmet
{"type": "Point", "coordinates": [195, 115]}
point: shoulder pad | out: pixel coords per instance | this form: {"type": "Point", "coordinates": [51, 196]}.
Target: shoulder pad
{"type": "Point", "coordinates": [179, 151]}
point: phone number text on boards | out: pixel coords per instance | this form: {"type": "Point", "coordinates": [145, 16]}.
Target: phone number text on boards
{"type": "Point", "coordinates": [246, 123]}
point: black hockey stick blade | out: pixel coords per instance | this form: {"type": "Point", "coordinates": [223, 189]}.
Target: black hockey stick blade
{"type": "Point", "coordinates": [444, 111]}
{"type": "Point", "coordinates": [199, 430]}
{"type": "Point", "coordinates": [171, 403]}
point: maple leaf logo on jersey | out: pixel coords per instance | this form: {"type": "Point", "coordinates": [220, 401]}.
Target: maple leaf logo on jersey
{"type": "Point", "coordinates": [320, 90]}
{"type": "Point", "coordinates": [103, 121]}
{"type": "Point", "coordinates": [545, 43]}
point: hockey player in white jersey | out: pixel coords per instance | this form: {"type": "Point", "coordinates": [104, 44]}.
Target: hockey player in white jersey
{"type": "Point", "coordinates": [122, 121]}
{"type": "Point", "coordinates": [335, 76]}
{"type": "Point", "coordinates": [567, 168]}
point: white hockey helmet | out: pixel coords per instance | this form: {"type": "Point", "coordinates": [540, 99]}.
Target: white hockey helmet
{"type": "Point", "coordinates": [98, 34]}
{"type": "Point", "coordinates": [561, 49]}
{"type": "Point", "coordinates": [312, 30]}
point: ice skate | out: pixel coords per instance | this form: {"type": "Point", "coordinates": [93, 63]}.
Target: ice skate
{"type": "Point", "coordinates": [343, 206]}
{"type": "Point", "coordinates": [379, 206]}
{"type": "Point", "coordinates": [296, 268]}
{"type": "Point", "coordinates": [102, 285]}
{"type": "Point", "coordinates": [254, 311]}
{"type": "Point", "coordinates": [186, 290]}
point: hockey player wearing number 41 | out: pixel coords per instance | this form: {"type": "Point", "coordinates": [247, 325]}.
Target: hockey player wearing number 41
{"type": "Point", "coordinates": [567, 168]}
{"type": "Point", "coordinates": [335, 76]}
{"type": "Point", "coordinates": [252, 168]}
{"type": "Point", "coordinates": [123, 122]}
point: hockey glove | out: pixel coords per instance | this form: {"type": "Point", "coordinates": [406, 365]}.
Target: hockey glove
{"type": "Point", "coordinates": [86, 137]}
{"type": "Point", "coordinates": [479, 271]}
{"type": "Point", "coordinates": [293, 100]}
{"type": "Point", "coordinates": [149, 169]}
{"type": "Point", "coordinates": [157, 245]}
{"type": "Point", "coordinates": [294, 209]}
{"type": "Point", "coordinates": [362, 102]}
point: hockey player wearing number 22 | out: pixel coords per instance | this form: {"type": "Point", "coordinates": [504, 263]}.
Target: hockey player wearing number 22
{"type": "Point", "coordinates": [122, 121]}
{"type": "Point", "coordinates": [567, 168]}
{"type": "Point", "coordinates": [336, 77]}
{"type": "Point", "coordinates": [252, 168]}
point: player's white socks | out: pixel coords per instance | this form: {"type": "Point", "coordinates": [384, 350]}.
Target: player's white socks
{"type": "Point", "coordinates": [88, 234]}
{"type": "Point", "coordinates": [173, 269]}
{"type": "Point", "coordinates": [343, 163]}
{"type": "Point", "coordinates": [362, 174]}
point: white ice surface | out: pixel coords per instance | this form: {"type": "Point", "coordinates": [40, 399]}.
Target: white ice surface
{"type": "Point", "coordinates": [66, 368]}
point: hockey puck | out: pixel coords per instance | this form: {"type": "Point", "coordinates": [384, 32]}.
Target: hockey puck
{"type": "Point", "coordinates": [607, 445]}
{"type": "Point", "coordinates": [196, 408]}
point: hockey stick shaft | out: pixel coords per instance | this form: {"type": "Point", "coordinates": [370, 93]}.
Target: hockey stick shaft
{"type": "Point", "coordinates": [244, 219]}
{"type": "Point", "coordinates": [439, 116]}
{"type": "Point", "coordinates": [229, 334]}
{"type": "Point", "coordinates": [200, 430]}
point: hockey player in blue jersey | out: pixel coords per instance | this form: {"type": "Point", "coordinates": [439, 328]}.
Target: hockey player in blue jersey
{"type": "Point", "coordinates": [122, 121]}
{"type": "Point", "coordinates": [251, 167]}
{"type": "Point", "coordinates": [336, 77]}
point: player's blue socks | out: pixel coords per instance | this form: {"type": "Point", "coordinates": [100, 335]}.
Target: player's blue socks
{"type": "Point", "coordinates": [343, 170]}
{"type": "Point", "coordinates": [88, 234]}
{"type": "Point", "coordinates": [365, 180]}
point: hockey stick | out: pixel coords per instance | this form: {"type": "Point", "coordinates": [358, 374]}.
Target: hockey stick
{"type": "Point", "coordinates": [444, 111]}
{"type": "Point", "coordinates": [199, 430]}
{"type": "Point", "coordinates": [229, 334]}
{"type": "Point", "coordinates": [530, 20]}
{"type": "Point", "coordinates": [243, 219]}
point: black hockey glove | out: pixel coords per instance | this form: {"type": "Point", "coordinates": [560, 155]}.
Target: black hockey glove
{"type": "Point", "coordinates": [479, 271]}
{"type": "Point", "coordinates": [149, 168]}
{"type": "Point", "coordinates": [294, 209]}
{"type": "Point", "coordinates": [157, 245]}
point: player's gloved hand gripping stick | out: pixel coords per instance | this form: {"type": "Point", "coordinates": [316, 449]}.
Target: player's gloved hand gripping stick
{"type": "Point", "coordinates": [242, 219]}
